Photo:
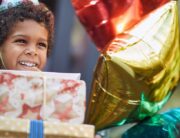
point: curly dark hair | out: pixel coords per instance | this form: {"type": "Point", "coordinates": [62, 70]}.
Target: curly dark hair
{"type": "Point", "coordinates": [27, 10]}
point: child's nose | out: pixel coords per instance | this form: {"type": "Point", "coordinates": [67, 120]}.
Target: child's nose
{"type": "Point", "coordinates": [31, 51]}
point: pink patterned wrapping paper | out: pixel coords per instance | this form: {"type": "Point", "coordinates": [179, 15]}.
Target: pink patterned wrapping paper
{"type": "Point", "coordinates": [42, 97]}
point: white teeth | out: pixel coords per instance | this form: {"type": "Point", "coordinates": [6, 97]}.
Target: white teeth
{"type": "Point", "coordinates": [28, 64]}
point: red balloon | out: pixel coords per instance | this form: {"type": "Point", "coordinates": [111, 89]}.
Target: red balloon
{"type": "Point", "coordinates": [104, 19]}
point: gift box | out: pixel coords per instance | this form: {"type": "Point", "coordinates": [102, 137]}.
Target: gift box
{"type": "Point", "coordinates": [22, 128]}
{"type": "Point", "coordinates": [42, 96]}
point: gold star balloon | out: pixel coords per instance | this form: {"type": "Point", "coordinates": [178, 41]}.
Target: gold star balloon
{"type": "Point", "coordinates": [138, 67]}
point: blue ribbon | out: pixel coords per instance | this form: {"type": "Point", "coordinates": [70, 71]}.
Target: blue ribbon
{"type": "Point", "coordinates": [36, 129]}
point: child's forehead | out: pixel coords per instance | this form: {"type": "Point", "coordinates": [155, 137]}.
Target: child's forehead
{"type": "Point", "coordinates": [29, 27]}
{"type": "Point", "coordinates": [27, 21]}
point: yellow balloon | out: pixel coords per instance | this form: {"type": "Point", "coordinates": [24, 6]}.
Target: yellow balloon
{"type": "Point", "coordinates": [138, 73]}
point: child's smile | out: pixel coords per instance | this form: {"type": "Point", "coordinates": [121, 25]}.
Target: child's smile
{"type": "Point", "coordinates": [28, 64]}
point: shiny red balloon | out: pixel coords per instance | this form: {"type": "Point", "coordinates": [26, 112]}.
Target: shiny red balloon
{"type": "Point", "coordinates": [104, 19]}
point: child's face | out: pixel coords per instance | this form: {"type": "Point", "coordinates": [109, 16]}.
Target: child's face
{"type": "Point", "coordinates": [26, 46]}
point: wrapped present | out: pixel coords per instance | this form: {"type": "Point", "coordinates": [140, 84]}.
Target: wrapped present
{"type": "Point", "coordinates": [22, 128]}
{"type": "Point", "coordinates": [43, 96]}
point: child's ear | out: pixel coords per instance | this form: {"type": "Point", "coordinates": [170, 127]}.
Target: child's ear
{"type": "Point", "coordinates": [0, 50]}
{"type": "Point", "coordinates": [1, 59]}
{"type": "Point", "coordinates": [1, 62]}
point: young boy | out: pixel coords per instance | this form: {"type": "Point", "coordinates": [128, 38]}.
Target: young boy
{"type": "Point", "coordinates": [26, 33]}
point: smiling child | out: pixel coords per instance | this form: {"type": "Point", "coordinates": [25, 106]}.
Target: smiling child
{"type": "Point", "coordinates": [26, 33]}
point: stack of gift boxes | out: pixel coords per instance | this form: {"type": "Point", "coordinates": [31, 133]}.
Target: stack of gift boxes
{"type": "Point", "coordinates": [57, 99]}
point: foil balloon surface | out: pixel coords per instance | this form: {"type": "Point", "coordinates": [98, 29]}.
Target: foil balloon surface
{"type": "Point", "coordinates": [166, 125]}
{"type": "Point", "coordinates": [136, 76]}
{"type": "Point", "coordinates": [104, 19]}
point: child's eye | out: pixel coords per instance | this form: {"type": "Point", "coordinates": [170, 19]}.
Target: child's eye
{"type": "Point", "coordinates": [43, 45]}
{"type": "Point", "coordinates": [21, 41]}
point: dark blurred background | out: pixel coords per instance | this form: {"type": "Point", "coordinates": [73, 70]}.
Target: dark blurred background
{"type": "Point", "coordinates": [73, 50]}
